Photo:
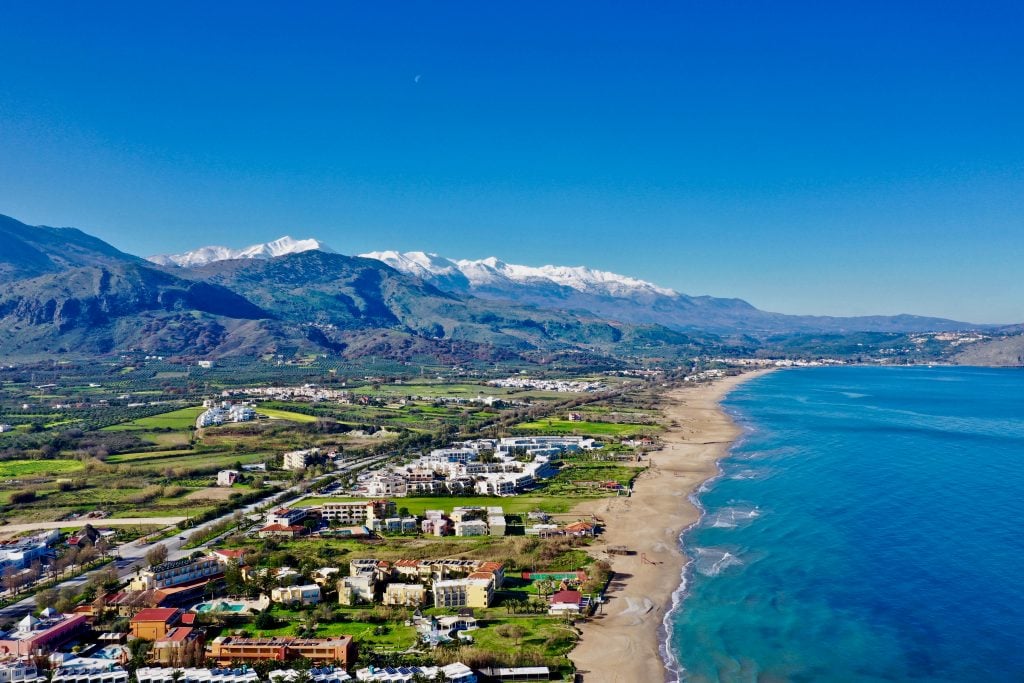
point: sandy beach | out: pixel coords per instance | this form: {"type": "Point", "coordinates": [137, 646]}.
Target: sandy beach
{"type": "Point", "coordinates": [622, 642]}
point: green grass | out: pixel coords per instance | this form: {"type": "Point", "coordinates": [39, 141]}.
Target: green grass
{"type": "Point", "coordinates": [199, 459]}
{"type": "Point", "coordinates": [28, 468]}
{"type": "Point", "coordinates": [588, 428]}
{"type": "Point", "coordinates": [151, 455]}
{"type": "Point", "coordinates": [277, 414]}
{"type": "Point", "coordinates": [180, 420]}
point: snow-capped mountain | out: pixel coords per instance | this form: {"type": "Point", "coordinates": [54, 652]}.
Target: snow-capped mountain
{"type": "Point", "coordinates": [203, 255]}
{"type": "Point", "coordinates": [494, 274]}
{"type": "Point", "coordinates": [576, 288]}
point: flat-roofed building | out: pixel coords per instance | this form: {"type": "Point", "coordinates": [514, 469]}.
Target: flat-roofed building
{"type": "Point", "coordinates": [176, 572]}
{"type": "Point", "coordinates": [227, 649]}
{"type": "Point", "coordinates": [405, 594]}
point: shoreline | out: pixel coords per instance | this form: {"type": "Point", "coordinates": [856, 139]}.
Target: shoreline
{"type": "Point", "coordinates": [627, 640]}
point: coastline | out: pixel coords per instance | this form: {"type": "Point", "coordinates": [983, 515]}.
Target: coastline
{"type": "Point", "coordinates": [626, 642]}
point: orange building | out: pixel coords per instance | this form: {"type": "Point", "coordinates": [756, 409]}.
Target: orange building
{"type": "Point", "coordinates": [228, 649]}
{"type": "Point", "coordinates": [154, 623]}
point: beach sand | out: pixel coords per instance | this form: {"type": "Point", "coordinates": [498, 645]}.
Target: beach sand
{"type": "Point", "coordinates": [622, 642]}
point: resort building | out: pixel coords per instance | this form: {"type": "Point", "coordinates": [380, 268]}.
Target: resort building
{"type": "Point", "coordinates": [286, 516]}
{"type": "Point", "coordinates": [39, 635]}
{"type": "Point", "coordinates": [468, 592]}
{"type": "Point", "coordinates": [388, 485]}
{"type": "Point", "coordinates": [301, 595]}
{"type": "Point", "coordinates": [322, 674]}
{"type": "Point", "coordinates": [405, 594]}
{"type": "Point", "coordinates": [338, 650]}
{"type": "Point", "coordinates": [358, 512]}
{"type": "Point", "coordinates": [89, 671]}
{"type": "Point", "coordinates": [178, 646]}
{"type": "Point", "coordinates": [357, 589]}
{"type": "Point", "coordinates": [297, 460]}
{"type": "Point", "coordinates": [20, 671]}
{"type": "Point", "coordinates": [473, 527]}
{"type": "Point", "coordinates": [177, 572]}
{"type": "Point", "coordinates": [451, 673]}
{"type": "Point", "coordinates": [194, 675]}
{"type": "Point", "coordinates": [156, 623]}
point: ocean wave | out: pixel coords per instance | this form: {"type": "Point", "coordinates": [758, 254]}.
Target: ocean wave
{"type": "Point", "coordinates": [713, 561]}
{"type": "Point", "coordinates": [732, 517]}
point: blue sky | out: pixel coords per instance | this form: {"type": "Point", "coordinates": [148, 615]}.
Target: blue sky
{"type": "Point", "coordinates": [810, 158]}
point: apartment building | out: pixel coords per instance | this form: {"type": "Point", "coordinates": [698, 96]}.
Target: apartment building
{"type": "Point", "coordinates": [177, 572]}
{"type": "Point", "coordinates": [229, 649]}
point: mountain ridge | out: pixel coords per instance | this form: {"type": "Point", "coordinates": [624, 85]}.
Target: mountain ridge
{"type": "Point", "coordinates": [610, 295]}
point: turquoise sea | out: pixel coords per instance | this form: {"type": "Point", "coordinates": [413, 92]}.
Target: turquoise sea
{"type": "Point", "coordinates": [866, 527]}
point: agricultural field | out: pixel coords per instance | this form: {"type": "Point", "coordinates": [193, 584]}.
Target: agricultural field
{"type": "Point", "coordinates": [11, 469]}
{"type": "Point", "coordinates": [275, 414]}
{"type": "Point", "coordinates": [178, 420]}
{"type": "Point", "coordinates": [584, 428]}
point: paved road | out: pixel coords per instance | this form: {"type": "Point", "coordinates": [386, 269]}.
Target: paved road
{"type": "Point", "coordinates": [95, 521]}
{"type": "Point", "coordinates": [133, 554]}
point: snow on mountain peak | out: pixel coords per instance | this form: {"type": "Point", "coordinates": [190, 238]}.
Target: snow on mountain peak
{"type": "Point", "coordinates": [492, 272]}
{"type": "Point", "coordinates": [203, 255]}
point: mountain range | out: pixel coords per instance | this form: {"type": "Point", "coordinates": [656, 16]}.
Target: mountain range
{"type": "Point", "coordinates": [595, 292]}
{"type": "Point", "coordinates": [63, 291]}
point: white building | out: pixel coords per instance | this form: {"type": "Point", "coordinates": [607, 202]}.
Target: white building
{"type": "Point", "coordinates": [473, 527]}
{"type": "Point", "coordinates": [391, 485]}
{"type": "Point", "coordinates": [20, 671]}
{"type": "Point", "coordinates": [159, 674]}
{"type": "Point", "coordinates": [286, 516]}
{"type": "Point", "coordinates": [302, 595]}
{"type": "Point", "coordinates": [227, 477]}
{"type": "Point", "coordinates": [297, 460]}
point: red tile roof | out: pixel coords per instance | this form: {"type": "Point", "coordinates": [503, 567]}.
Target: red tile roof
{"type": "Point", "coordinates": [566, 598]}
{"type": "Point", "coordinates": [164, 614]}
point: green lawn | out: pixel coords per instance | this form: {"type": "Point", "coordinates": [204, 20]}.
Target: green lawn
{"type": "Point", "coordinates": [27, 468]}
{"type": "Point", "coordinates": [586, 428]}
{"type": "Point", "coordinates": [180, 419]}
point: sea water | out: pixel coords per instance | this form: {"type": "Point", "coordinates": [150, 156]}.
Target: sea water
{"type": "Point", "coordinates": [866, 527]}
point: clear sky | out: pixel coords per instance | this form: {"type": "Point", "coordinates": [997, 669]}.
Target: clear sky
{"type": "Point", "coordinates": [835, 158]}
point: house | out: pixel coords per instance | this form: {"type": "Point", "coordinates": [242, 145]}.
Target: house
{"type": "Point", "coordinates": [581, 529]}
{"type": "Point", "coordinates": [301, 595]}
{"type": "Point", "coordinates": [228, 555]}
{"type": "Point", "coordinates": [227, 477]}
{"type": "Point", "coordinates": [50, 630]}
{"type": "Point", "coordinates": [565, 602]}
{"type": "Point", "coordinates": [281, 531]}
{"type": "Point", "coordinates": [230, 649]}
{"type": "Point", "coordinates": [324, 575]}
{"type": "Point", "coordinates": [405, 594]}
{"type": "Point", "coordinates": [155, 623]}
